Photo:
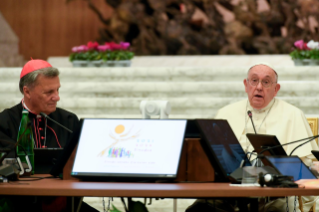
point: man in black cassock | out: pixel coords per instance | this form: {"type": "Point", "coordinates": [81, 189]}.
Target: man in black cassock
{"type": "Point", "coordinates": [39, 84]}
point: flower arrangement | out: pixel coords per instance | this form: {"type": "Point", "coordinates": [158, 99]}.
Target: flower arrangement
{"type": "Point", "coordinates": [109, 52]}
{"type": "Point", "coordinates": [305, 51]}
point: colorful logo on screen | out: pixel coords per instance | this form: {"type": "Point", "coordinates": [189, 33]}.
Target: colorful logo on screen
{"type": "Point", "coordinates": [119, 153]}
{"type": "Point", "coordinates": [120, 134]}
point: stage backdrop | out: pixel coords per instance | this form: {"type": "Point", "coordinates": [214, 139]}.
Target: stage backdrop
{"type": "Point", "coordinates": [166, 27]}
{"type": "Point", "coordinates": [52, 27]}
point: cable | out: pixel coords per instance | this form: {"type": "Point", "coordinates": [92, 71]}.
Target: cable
{"type": "Point", "coordinates": [50, 177]}
{"type": "Point", "coordinates": [301, 145]}
{"type": "Point", "coordinates": [33, 178]}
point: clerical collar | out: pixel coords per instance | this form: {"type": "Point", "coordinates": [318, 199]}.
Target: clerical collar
{"type": "Point", "coordinates": [263, 109]}
{"type": "Point", "coordinates": [26, 107]}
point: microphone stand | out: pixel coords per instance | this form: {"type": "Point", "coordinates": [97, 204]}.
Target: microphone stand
{"type": "Point", "coordinates": [46, 116]}
{"type": "Point", "coordinates": [258, 162]}
{"type": "Point", "coordinates": [274, 147]}
{"type": "Point", "coordinates": [251, 118]}
{"type": "Point", "coordinates": [260, 155]}
{"type": "Point", "coordinates": [301, 145]}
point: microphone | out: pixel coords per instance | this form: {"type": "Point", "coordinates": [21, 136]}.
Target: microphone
{"type": "Point", "coordinates": [46, 116]}
{"type": "Point", "coordinates": [258, 162]}
{"type": "Point", "coordinates": [251, 118]}
{"type": "Point", "coordinates": [314, 137]}
{"type": "Point", "coordinates": [274, 147]}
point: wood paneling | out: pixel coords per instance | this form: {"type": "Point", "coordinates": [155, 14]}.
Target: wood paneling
{"type": "Point", "coordinates": [199, 167]}
{"type": "Point", "coordinates": [52, 27]}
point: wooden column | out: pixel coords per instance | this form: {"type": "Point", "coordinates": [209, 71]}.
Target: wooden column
{"type": "Point", "coordinates": [198, 165]}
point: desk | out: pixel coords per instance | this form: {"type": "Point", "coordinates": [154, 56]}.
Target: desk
{"type": "Point", "coordinates": [57, 187]}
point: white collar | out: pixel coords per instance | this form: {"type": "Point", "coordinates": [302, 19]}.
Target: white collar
{"type": "Point", "coordinates": [26, 107]}
{"type": "Point", "coordinates": [262, 109]}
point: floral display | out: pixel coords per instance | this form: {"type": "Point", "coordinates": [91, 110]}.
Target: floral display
{"type": "Point", "coordinates": [107, 52]}
{"type": "Point", "coordinates": [305, 50]}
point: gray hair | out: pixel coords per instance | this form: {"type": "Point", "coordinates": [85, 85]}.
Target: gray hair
{"type": "Point", "coordinates": [265, 64]}
{"type": "Point", "coordinates": [30, 79]}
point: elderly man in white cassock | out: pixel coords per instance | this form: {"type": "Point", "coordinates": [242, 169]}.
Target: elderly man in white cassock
{"type": "Point", "coordinates": [271, 116]}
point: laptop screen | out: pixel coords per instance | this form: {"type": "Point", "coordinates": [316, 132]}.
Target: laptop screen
{"type": "Point", "coordinates": [221, 146]}
{"type": "Point", "coordinates": [291, 166]}
{"type": "Point", "coordinates": [129, 148]}
{"type": "Point", "coordinates": [261, 142]}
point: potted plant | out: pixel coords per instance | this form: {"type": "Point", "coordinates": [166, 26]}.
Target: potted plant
{"type": "Point", "coordinates": [107, 55]}
{"type": "Point", "coordinates": [86, 55]}
{"type": "Point", "coordinates": [117, 54]}
{"type": "Point", "coordinates": [305, 53]}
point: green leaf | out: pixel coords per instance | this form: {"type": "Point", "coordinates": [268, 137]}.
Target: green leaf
{"type": "Point", "coordinates": [105, 56]}
{"type": "Point", "coordinates": [114, 209]}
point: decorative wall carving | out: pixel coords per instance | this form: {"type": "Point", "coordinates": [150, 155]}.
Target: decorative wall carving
{"type": "Point", "coordinates": [190, 27]}
{"type": "Point", "coordinates": [9, 54]}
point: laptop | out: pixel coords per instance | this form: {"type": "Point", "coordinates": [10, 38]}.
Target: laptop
{"type": "Point", "coordinates": [222, 149]}
{"type": "Point", "coordinates": [45, 159]}
{"type": "Point", "coordinates": [261, 142]}
{"type": "Point", "coordinates": [129, 149]}
{"type": "Point", "coordinates": [290, 166]}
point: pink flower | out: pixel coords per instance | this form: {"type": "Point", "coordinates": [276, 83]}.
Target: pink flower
{"type": "Point", "coordinates": [81, 48]}
{"type": "Point", "coordinates": [114, 46]}
{"type": "Point", "coordinates": [125, 45]}
{"type": "Point", "coordinates": [75, 49]}
{"type": "Point", "coordinates": [299, 44]}
{"type": "Point", "coordinates": [103, 48]}
{"type": "Point", "coordinates": [92, 45]}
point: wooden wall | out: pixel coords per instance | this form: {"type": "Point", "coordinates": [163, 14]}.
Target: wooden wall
{"type": "Point", "coordinates": [52, 27]}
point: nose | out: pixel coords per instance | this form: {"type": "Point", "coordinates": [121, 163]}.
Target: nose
{"type": "Point", "coordinates": [259, 86]}
{"type": "Point", "coordinates": [56, 97]}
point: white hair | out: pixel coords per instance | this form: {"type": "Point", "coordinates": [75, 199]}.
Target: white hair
{"type": "Point", "coordinates": [265, 64]}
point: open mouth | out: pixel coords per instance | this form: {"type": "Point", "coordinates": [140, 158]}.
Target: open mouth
{"type": "Point", "coordinates": [258, 96]}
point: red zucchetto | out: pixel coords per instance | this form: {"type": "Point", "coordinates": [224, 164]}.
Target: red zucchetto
{"type": "Point", "coordinates": [33, 65]}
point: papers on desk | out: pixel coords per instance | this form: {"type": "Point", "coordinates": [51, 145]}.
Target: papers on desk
{"type": "Point", "coordinates": [310, 183]}
{"type": "Point", "coordinates": [246, 185]}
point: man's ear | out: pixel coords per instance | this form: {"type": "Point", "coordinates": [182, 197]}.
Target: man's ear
{"type": "Point", "coordinates": [277, 88]}
{"type": "Point", "coordinates": [245, 83]}
{"type": "Point", "coordinates": [26, 92]}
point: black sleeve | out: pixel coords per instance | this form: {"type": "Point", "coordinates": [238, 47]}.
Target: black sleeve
{"type": "Point", "coordinates": [67, 119]}
{"type": "Point", "coordinates": [9, 126]}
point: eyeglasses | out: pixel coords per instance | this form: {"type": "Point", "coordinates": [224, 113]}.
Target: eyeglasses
{"type": "Point", "coordinates": [266, 83]}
